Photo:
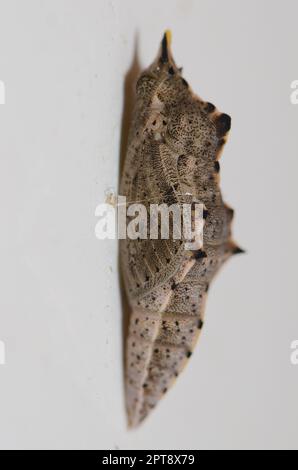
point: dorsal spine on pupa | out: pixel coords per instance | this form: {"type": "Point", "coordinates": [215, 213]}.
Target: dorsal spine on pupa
{"type": "Point", "coordinates": [174, 146]}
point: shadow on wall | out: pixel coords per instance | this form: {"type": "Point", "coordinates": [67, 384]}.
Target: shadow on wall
{"type": "Point", "coordinates": [127, 112]}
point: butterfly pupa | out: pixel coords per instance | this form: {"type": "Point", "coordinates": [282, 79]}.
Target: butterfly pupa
{"type": "Point", "coordinates": [174, 146]}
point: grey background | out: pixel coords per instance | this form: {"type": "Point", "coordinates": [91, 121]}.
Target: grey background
{"type": "Point", "coordinates": [63, 63]}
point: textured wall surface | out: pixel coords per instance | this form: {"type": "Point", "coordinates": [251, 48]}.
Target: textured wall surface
{"type": "Point", "coordinates": [64, 64]}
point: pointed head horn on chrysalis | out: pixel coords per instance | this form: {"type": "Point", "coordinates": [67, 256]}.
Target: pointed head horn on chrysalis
{"type": "Point", "coordinates": [162, 70]}
{"type": "Point", "coordinates": [165, 52]}
{"type": "Point", "coordinates": [164, 60]}
{"type": "Point", "coordinates": [165, 57]}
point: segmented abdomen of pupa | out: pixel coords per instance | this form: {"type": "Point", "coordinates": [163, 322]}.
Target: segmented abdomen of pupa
{"type": "Point", "coordinates": [174, 146]}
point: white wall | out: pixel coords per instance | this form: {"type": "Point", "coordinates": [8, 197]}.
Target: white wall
{"type": "Point", "coordinates": [63, 63]}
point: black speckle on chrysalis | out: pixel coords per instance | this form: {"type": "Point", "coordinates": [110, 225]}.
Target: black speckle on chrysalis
{"type": "Point", "coordinates": [223, 124]}
{"type": "Point", "coordinates": [210, 107]}
{"type": "Point", "coordinates": [205, 214]}
{"type": "Point", "coordinates": [199, 254]}
{"type": "Point", "coordinates": [216, 166]}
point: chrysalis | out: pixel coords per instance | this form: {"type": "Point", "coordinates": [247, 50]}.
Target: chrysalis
{"type": "Point", "coordinates": [174, 146]}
